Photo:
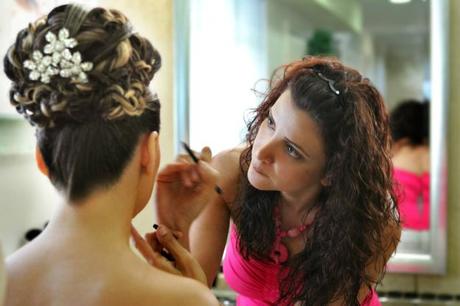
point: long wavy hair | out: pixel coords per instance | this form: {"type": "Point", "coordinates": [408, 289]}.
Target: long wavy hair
{"type": "Point", "coordinates": [354, 210]}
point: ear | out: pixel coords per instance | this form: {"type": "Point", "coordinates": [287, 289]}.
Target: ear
{"type": "Point", "coordinates": [40, 161]}
{"type": "Point", "coordinates": [150, 158]}
{"type": "Point", "coordinates": [326, 181]}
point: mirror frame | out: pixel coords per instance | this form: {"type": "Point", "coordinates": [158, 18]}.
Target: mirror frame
{"type": "Point", "coordinates": [181, 72]}
{"type": "Point", "coordinates": [434, 262]}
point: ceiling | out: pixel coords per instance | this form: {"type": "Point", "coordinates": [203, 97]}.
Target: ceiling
{"type": "Point", "coordinates": [387, 22]}
{"type": "Point", "coordinates": [396, 22]}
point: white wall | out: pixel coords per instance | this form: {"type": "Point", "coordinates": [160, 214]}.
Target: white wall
{"type": "Point", "coordinates": [27, 199]}
{"type": "Point", "coordinates": [287, 34]}
{"type": "Point", "coordinates": [406, 72]}
{"type": "Point", "coordinates": [227, 58]}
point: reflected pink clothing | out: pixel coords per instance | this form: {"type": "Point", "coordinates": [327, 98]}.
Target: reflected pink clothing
{"type": "Point", "coordinates": [413, 192]}
{"type": "Point", "coordinates": [255, 281]}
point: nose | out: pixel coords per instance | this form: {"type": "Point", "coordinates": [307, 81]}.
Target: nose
{"type": "Point", "coordinates": [265, 152]}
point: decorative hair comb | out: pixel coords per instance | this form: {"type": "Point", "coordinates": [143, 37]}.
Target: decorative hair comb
{"type": "Point", "coordinates": [57, 59]}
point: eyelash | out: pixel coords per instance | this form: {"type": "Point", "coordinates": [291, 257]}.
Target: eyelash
{"type": "Point", "coordinates": [289, 148]}
{"type": "Point", "coordinates": [292, 151]}
{"type": "Point", "coordinates": [270, 121]}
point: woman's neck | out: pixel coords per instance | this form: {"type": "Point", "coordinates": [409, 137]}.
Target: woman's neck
{"type": "Point", "coordinates": [295, 209]}
{"type": "Point", "coordinates": [102, 219]}
{"type": "Point", "coordinates": [299, 203]}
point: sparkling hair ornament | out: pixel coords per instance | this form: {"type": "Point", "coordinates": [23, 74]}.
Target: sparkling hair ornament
{"type": "Point", "coordinates": [57, 59]}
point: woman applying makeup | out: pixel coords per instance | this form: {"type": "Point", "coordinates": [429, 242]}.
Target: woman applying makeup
{"type": "Point", "coordinates": [308, 201]}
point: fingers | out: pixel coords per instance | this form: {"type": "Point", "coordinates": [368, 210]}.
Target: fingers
{"type": "Point", "coordinates": [167, 240]}
{"type": "Point", "coordinates": [206, 154]}
{"type": "Point", "coordinates": [184, 171]}
{"type": "Point", "coordinates": [204, 172]}
{"type": "Point", "coordinates": [148, 250]}
{"type": "Point", "coordinates": [153, 242]}
{"type": "Point", "coordinates": [200, 177]}
{"type": "Point", "coordinates": [194, 176]}
{"type": "Point", "coordinates": [141, 245]}
{"type": "Point", "coordinates": [188, 174]}
{"type": "Point", "coordinates": [177, 234]}
{"type": "Point", "coordinates": [171, 172]}
{"type": "Point", "coordinates": [207, 173]}
{"type": "Point", "coordinates": [184, 260]}
{"type": "Point", "coordinates": [163, 264]}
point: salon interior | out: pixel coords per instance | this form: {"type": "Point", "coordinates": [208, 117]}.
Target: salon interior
{"type": "Point", "coordinates": [408, 48]}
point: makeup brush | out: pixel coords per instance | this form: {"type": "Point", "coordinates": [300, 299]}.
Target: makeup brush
{"type": "Point", "coordinates": [195, 160]}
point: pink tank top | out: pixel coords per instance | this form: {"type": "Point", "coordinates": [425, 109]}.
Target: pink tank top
{"type": "Point", "coordinates": [255, 281]}
{"type": "Point", "coordinates": [413, 192]}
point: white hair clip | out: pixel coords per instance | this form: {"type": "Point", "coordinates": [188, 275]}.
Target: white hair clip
{"type": "Point", "coordinates": [58, 60]}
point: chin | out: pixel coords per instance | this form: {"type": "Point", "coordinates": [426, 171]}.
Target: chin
{"type": "Point", "coordinates": [258, 180]}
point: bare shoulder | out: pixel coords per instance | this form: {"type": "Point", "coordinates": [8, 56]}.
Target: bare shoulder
{"type": "Point", "coordinates": [229, 160]}
{"type": "Point", "coordinates": [177, 290]}
{"type": "Point", "coordinates": [21, 265]}
{"type": "Point", "coordinates": [228, 164]}
{"type": "Point", "coordinates": [194, 293]}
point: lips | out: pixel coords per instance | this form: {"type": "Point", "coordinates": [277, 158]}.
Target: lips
{"type": "Point", "coordinates": [258, 169]}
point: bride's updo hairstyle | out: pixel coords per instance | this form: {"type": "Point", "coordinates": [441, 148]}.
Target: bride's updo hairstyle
{"type": "Point", "coordinates": [81, 78]}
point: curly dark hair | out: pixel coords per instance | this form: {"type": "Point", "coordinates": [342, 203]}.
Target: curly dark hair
{"type": "Point", "coordinates": [356, 207]}
{"type": "Point", "coordinates": [87, 132]}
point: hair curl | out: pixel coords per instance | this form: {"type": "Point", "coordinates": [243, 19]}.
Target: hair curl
{"type": "Point", "coordinates": [87, 132]}
{"type": "Point", "coordinates": [357, 206]}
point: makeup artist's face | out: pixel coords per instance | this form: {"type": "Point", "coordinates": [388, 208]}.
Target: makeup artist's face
{"type": "Point", "coordinates": [288, 153]}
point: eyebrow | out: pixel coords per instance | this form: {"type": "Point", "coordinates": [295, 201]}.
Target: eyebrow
{"type": "Point", "coordinates": [296, 146]}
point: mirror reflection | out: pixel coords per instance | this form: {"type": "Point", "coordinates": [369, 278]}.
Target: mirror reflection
{"type": "Point", "coordinates": [409, 123]}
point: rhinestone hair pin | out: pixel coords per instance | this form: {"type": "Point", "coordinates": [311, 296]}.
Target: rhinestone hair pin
{"type": "Point", "coordinates": [57, 59]}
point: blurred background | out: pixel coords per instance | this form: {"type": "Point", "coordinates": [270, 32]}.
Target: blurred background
{"type": "Point", "coordinates": [217, 55]}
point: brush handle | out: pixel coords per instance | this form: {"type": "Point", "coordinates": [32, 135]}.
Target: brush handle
{"type": "Point", "coordinates": [190, 152]}
{"type": "Point", "coordinates": [195, 160]}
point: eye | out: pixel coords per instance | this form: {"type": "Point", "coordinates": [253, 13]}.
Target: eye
{"type": "Point", "coordinates": [292, 151]}
{"type": "Point", "coordinates": [270, 121]}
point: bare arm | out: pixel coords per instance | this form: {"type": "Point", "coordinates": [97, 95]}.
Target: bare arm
{"type": "Point", "coordinates": [208, 234]}
{"type": "Point", "coordinates": [182, 191]}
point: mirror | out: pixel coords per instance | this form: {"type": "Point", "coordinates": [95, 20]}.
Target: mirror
{"type": "Point", "coordinates": [424, 251]}
{"type": "Point", "coordinates": [402, 48]}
